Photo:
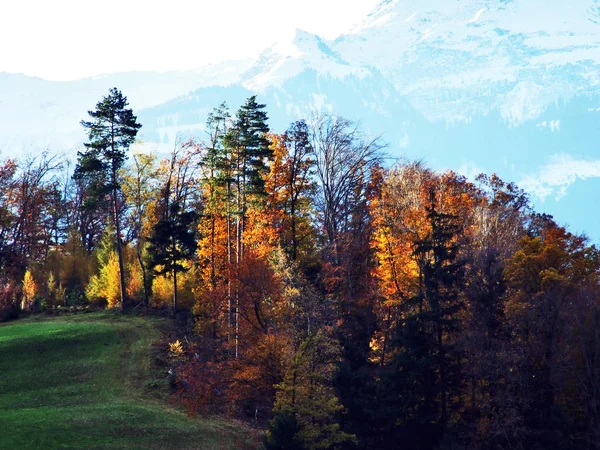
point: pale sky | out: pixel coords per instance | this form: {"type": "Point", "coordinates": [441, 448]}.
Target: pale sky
{"type": "Point", "coordinates": [71, 39]}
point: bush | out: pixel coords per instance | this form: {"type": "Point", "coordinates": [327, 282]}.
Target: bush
{"type": "Point", "coordinates": [282, 433]}
{"type": "Point", "coordinates": [9, 306]}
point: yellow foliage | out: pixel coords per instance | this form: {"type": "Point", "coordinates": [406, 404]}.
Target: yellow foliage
{"type": "Point", "coordinates": [111, 274]}
{"type": "Point", "coordinates": [51, 289]}
{"type": "Point", "coordinates": [212, 250]}
{"type": "Point", "coordinates": [175, 349]}
{"type": "Point", "coordinates": [260, 236]}
{"type": "Point", "coordinates": [162, 291]}
{"type": "Point", "coordinates": [106, 285]}
{"type": "Point", "coordinates": [60, 295]}
{"type": "Point", "coordinates": [94, 290]}
{"type": "Point", "coordinates": [135, 282]}
{"type": "Point", "coordinates": [29, 291]}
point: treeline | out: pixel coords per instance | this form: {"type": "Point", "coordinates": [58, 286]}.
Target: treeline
{"type": "Point", "coordinates": [344, 303]}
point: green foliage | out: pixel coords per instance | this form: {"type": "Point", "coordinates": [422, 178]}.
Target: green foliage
{"type": "Point", "coordinates": [283, 433]}
{"type": "Point", "coordinates": [251, 148]}
{"type": "Point", "coordinates": [173, 241]}
{"type": "Point", "coordinates": [111, 132]}
{"type": "Point", "coordinates": [421, 387]}
{"type": "Point", "coordinates": [307, 400]}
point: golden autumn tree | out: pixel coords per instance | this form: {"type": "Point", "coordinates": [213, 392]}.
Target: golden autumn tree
{"type": "Point", "coordinates": [290, 189]}
{"type": "Point", "coordinates": [105, 285]}
{"type": "Point", "coordinates": [30, 290]}
{"type": "Point", "coordinates": [399, 222]}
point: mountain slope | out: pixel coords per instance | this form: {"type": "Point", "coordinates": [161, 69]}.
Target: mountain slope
{"type": "Point", "coordinates": [457, 60]}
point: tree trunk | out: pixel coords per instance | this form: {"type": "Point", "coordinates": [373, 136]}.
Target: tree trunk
{"type": "Point", "coordinates": [115, 194]}
{"type": "Point", "coordinates": [174, 292]}
{"type": "Point", "coordinates": [119, 244]}
{"type": "Point", "coordinates": [293, 226]}
{"type": "Point", "coordinates": [144, 276]}
{"type": "Point", "coordinates": [229, 261]}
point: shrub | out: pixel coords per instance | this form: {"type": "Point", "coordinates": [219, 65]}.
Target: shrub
{"type": "Point", "coordinates": [9, 308]}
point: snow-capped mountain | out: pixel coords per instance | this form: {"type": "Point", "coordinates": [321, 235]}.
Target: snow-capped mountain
{"type": "Point", "coordinates": [455, 60]}
{"type": "Point", "coordinates": [287, 60]}
{"type": "Point", "coordinates": [511, 86]}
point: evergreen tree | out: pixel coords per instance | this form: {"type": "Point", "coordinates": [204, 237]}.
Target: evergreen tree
{"type": "Point", "coordinates": [250, 149]}
{"type": "Point", "coordinates": [249, 137]}
{"type": "Point", "coordinates": [173, 241]}
{"type": "Point", "coordinates": [111, 132]}
{"type": "Point", "coordinates": [421, 386]}
{"type": "Point", "coordinates": [217, 194]}
{"type": "Point", "coordinates": [307, 406]}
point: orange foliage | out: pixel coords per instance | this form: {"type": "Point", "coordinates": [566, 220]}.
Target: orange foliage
{"type": "Point", "coordinates": [212, 251]}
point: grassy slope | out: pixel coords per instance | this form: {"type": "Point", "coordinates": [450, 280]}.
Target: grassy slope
{"type": "Point", "coordinates": [80, 382]}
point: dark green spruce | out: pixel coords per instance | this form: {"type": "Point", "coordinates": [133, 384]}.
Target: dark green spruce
{"type": "Point", "coordinates": [173, 241]}
{"type": "Point", "coordinates": [420, 390]}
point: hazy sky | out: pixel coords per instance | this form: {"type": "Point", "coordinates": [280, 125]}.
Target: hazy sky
{"type": "Point", "coordinates": [70, 39]}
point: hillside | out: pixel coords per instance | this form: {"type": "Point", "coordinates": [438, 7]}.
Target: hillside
{"type": "Point", "coordinates": [87, 381]}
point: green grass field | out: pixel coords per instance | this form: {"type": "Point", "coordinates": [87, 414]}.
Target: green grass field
{"type": "Point", "coordinates": [87, 381]}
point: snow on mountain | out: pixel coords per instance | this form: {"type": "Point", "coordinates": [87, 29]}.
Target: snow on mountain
{"type": "Point", "coordinates": [286, 60]}
{"type": "Point", "coordinates": [455, 60]}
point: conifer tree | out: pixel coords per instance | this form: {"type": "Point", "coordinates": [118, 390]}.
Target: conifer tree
{"type": "Point", "coordinates": [111, 132]}
{"type": "Point", "coordinates": [307, 407]}
{"type": "Point", "coordinates": [250, 148]}
{"type": "Point", "coordinates": [216, 212]}
{"type": "Point", "coordinates": [421, 386]}
{"type": "Point", "coordinates": [173, 242]}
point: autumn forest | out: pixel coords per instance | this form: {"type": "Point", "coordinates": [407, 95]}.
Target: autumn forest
{"type": "Point", "coordinates": [320, 291]}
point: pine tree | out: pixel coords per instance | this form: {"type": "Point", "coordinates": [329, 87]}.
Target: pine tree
{"type": "Point", "coordinates": [173, 241]}
{"type": "Point", "coordinates": [250, 150]}
{"type": "Point", "coordinates": [421, 385]}
{"type": "Point", "coordinates": [110, 133]}
{"type": "Point", "coordinates": [215, 226]}
{"type": "Point", "coordinates": [246, 141]}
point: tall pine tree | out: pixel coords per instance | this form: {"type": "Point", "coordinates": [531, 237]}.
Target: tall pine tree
{"type": "Point", "coordinates": [111, 132]}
